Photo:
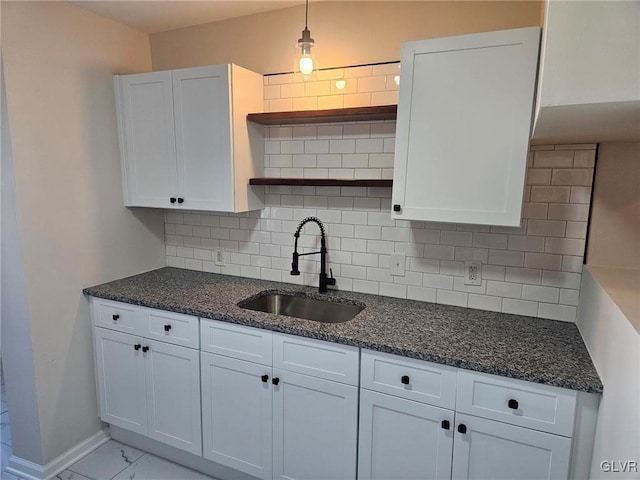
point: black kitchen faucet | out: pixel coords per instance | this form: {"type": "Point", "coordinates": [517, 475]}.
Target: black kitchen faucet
{"type": "Point", "coordinates": [324, 279]}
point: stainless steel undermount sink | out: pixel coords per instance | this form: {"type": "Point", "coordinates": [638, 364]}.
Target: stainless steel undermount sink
{"type": "Point", "coordinates": [303, 307]}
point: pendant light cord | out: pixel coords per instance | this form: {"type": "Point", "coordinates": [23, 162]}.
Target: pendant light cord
{"type": "Point", "coordinates": [306, 14]}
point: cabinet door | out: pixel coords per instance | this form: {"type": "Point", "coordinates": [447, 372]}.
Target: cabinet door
{"type": "Point", "coordinates": [314, 428]}
{"type": "Point", "coordinates": [147, 139]}
{"type": "Point", "coordinates": [236, 414]}
{"type": "Point", "coordinates": [173, 395]}
{"type": "Point", "coordinates": [497, 451]}
{"type": "Point", "coordinates": [403, 439]}
{"type": "Point", "coordinates": [203, 137]}
{"type": "Point", "coordinates": [464, 119]}
{"type": "Point", "coordinates": [121, 380]}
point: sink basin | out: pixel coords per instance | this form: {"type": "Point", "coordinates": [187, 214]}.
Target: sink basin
{"type": "Point", "coordinates": [303, 307]}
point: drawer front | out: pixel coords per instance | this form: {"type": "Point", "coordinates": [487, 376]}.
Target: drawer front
{"type": "Point", "coordinates": [116, 316]}
{"type": "Point", "coordinates": [541, 407]}
{"type": "Point", "coordinates": [320, 359]}
{"type": "Point", "coordinates": [171, 327]}
{"type": "Point", "coordinates": [236, 341]}
{"type": "Point", "coordinates": [409, 378]}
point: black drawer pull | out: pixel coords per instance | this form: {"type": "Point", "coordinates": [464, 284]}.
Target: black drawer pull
{"type": "Point", "coordinates": [137, 346]}
{"type": "Point", "coordinates": [115, 317]}
{"type": "Point", "coordinates": [397, 208]}
{"type": "Point", "coordinates": [145, 349]}
{"type": "Point", "coordinates": [405, 379]}
{"type": "Point", "coordinates": [167, 328]}
{"type": "Point", "coordinates": [180, 200]}
{"type": "Point", "coordinates": [445, 424]}
{"type": "Point", "coordinates": [172, 199]}
{"type": "Point", "coordinates": [275, 381]}
{"type": "Point", "coordinates": [513, 404]}
{"type": "Point", "coordinates": [265, 378]}
{"type": "Point", "coordinates": [462, 428]}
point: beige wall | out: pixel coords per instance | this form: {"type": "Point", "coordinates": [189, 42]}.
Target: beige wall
{"type": "Point", "coordinates": [74, 231]}
{"type": "Point", "coordinates": [614, 234]}
{"type": "Point", "coordinates": [347, 33]}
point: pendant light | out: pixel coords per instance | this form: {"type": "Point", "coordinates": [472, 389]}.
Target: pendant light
{"type": "Point", "coordinates": [305, 56]}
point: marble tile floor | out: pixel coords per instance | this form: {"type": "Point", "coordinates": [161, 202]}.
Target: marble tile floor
{"type": "Point", "coordinates": [110, 461]}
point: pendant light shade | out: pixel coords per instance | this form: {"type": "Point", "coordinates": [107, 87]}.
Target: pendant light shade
{"type": "Point", "coordinates": [306, 50]}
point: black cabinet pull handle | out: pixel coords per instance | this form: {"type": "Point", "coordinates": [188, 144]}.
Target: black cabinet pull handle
{"type": "Point", "coordinates": [397, 208]}
{"type": "Point", "coordinates": [180, 200]}
{"type": "Point", "coordinates": [513, 404]}
{"type": "Point", "coordinates": [265, 378]}
{"type": "Point", "coordinates": [462, 428]}
{"type": "Point", "coordinates": [445, 424]}
{"type": "Point", "coordinates": [405, 379]}
{"type": "Point", "coordinates": [275, 381]}
{"type": "Point", "coordinates": [115, 317]}
{"type": "Point", "coordinates": [172, 199]}
{"type": "Point", "coordinates": [167, 328]}
{"type": "Point", "coordinates": [145, 349]}
{"type": "Point", "coordinates": [137, 346]}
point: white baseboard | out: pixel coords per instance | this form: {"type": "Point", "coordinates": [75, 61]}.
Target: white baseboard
{"type": "Point", "coordinates": [32, 471]}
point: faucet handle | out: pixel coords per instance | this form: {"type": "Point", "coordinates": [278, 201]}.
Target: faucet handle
{"type": "Point", "coordinates": [331, 281]}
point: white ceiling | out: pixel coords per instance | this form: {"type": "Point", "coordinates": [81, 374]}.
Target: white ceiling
{"type": "Point", "coordinates": [153, 16]}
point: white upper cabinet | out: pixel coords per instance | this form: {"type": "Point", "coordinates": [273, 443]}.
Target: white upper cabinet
{"type": "Point", "coordinates": [464, 121]}
{"type": "Point", "coordinates": [184, 139]}
{"type": "Point", "coordinates": [589, 78]}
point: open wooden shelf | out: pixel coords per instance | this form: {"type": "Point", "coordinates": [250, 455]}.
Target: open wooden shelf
{"type": "Point", "coordinates": [384, 112]}
{"type": "Point", "coordinates": [321, 182]}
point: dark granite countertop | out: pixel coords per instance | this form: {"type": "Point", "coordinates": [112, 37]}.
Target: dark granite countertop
{"type": "Point", "coordinates": [526, 348]}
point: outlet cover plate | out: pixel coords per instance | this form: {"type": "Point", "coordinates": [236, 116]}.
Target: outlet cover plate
{"type": "Point", "coordinates": [472, 272]}
{"type": "Point", "coordinates": [218, 256]}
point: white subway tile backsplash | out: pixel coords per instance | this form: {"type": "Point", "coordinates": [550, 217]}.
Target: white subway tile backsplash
{"type": "Point", "coordinates": [485, 302]}
{"type": "Point", "coordinates": [519, 307]}
{"type": "Point", "coordinates": [522, 275]}
{"type": "Point", "coordinates": [504, 289]}
{"type": "Point", "coordinates": [533, 269]}
{"type": "Point", "coordinates": [569, 297]}
{"type": "Point", "coordinates": [557, 312]}
{"type": "Point", "coordinates": [540, 294]}
{"type": "Point", "coordinates": [449, 297]}
{"type": "Point", "coordinates": [462, 239]}
{"type": "Point", "coordinates": [561, 279]}
{"type": "Point", "coordinates": [553, 158]}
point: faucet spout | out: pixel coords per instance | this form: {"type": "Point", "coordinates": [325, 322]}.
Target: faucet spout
{"type": "Point", "coordinates": [324, 279]}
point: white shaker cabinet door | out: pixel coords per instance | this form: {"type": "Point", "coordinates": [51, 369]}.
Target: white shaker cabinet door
{"type": "Point", "coordinates": [147, 139]}
{"type": "Point", "coordinates": [121, 380]}
{"type": "Point", "coordinates": [403, 439]}
{"type": "Point", "coordinates": [464, 121]}
{"type": "Point", "coordinates": [201, 99]}
{"type": "Point", "coordinates": [490, 450]}
{"type": "Point", "coordinates": [315, 424]}
{"type": "Point", "coordinates": [173, 395]}
{"type": "Point", "coordinates": [236, 414]}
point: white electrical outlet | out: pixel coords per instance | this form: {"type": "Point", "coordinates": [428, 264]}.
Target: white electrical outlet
{"type": "Point", "coordinates": [472, 273]}
{"type": "Point", "coordinates": [218, 256]}
{"type": "Point", "coordinates": [397, 264]}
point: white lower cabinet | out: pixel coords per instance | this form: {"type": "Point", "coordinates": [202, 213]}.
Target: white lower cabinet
{"type": "Point", "coordinates": [283, 407]}
{"type": "Point", "coordinates": [415, 423]}
{"type": "Point", "coordinates": [315, 427]}
{"type": "Point", "coordinates": [122, 390]}
{"type": "Point", "coordinates": [149, 387]}
{"type": "Point", "coordinates": [403, 439]}
{"type": "Point", "coordinates": [497, 451]}
{"type": "Point", "coordinates": [236, 414]}
{"type": "Point", "coordinates": [272, 422]}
